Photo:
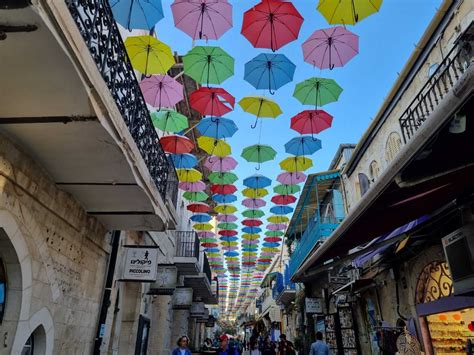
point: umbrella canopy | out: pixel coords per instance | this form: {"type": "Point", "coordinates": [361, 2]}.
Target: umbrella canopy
{"type": "Point", "coordinates": [209, 65]}
{"type": "Point", "coordinates": [251, 222]}
{"type": "Point", "coordinates": [250, 236]}
{"type": "Point", "coordinates": [253, 213]}
{"type": "Point", "coordinates": [225, 209]}
{"type": "Point", "coordinates": [176, 144]}
{"type": "Point", "coordinates": [213, 146]}
{"type": "Point", "coordinates": [161, 91]}
{"type": "Point", "coordinates": [169, 120]}
{"type": "Point", "coordinates": [260, 106]}
{"type": "Point", "coordinates": [258, 153]}
{"type": "Point", "coordinates": [269, 71]}
{"type": "Point", "coordinates": [275, 233]}
{"type": "Point", "coordinates": [195, 196]}
{"type": "Point", "coordinates": [254, 193]}
{"type": "Point", "coordinates": [317, 91]}
{"type": "Point", "coordinates": [330, 47]}
{"type": "Point", "coordinates": [257, 181]}
{"type": "Point", "coordinates": [278, 219]}
{"type": "Point", "coordinates": [271, 24]}
{"type": "Point", "coordinates": [294, 164]}
{"type": "Point", "coordinates": [198, 207]}
{"type": "Point", "coordinates": [211, 101]}
{"type": "Point", "coordinates": [224, 189]}
{"type": "Point", "coordinates": [201, 218]}
{"type": "Point", "coordinates": [281, 209]}
{"type": "Point", "coordinates": [209, 245]}
{"type": "Point", "coordinates": [303, 145]}
{"type": "Point", "coordinates": [202, 19]}
{"type": "Point", "coordinates": [227, 225]}
{"type": "Point", "coordinates": [205, 234]}
{"type": "Point", "coordinates": [348, 12]}
{"type": "Point", "coordinates": [188, 175]}
{"type": "Point", "coordinates": [137, 14]}
{"type": "Point", "coordinates": [283, 199]}
{"type": "Point", "coordinates": [228, 233]}
{"type": "Point", "coordinates": [203, 226]}
{"type": "Point", "coordinates": [220, 164]}
{"type": "Point", "coordinates": [286, 189]}
{"type": "Point", "coordinates": [222, 178]}
{"type": "Point", "coordinates": [217, 127]}
{"type": "Point", "coordinates": [183, 161]}
{"type": "Point", "coordinates": [251, 230]}
{"type": "Point", "coordinates": [148, 55]}
{"type": "Point", "coordinates": [311, 122]}
{"type": "Point", "coordinates": [192, 186]}
{"type": "Point", "coordinates": [276, 226]}
{"type": "Point", "coordinates": [228, 239]}
{"type": "Point", "coordinates": [226, 218]}
{"type": "Point", "coordinates": [224, 198]}
{"type": "Point", "coordinates": [291, 178]}
{"type": "Point", "coordinates": [272, 239]}
{"type": "Point", "coordinates": [254, 202]}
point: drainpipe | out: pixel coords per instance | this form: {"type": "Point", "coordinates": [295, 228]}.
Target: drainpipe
{"type": "Point", "coordinates": [115, 241]}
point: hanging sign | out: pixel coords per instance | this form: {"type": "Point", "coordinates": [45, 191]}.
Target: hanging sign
{"type": "Point", "coordinates": [141, 263]}
{"type": "Point", "coordinates": [313, 305]}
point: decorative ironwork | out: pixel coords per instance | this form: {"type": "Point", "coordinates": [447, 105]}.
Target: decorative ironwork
{"type": "Point", "coordinates": [408, 344]}
{"type": "Point", "coordinates": [434, 283]}
{"type": "Point", "coordinates": [187, 244]}
{"type": "Point", "coordinates": [97, 26]}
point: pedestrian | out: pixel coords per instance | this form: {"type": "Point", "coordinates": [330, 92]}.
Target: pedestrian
{"type": "Point", "coordinates": [253, 347]}
{"type": "Point", "coordinates": [319, 347]}
{"type": "Point", "coordinates": [268, 348]}
{"type": "Point", "coordinates": [285, 347]}
{"type": "Point", "coordinates": [225, 348]}
{"type": "Point", "coordinates": [182, 349]}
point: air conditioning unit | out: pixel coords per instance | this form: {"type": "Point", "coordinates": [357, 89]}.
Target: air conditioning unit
{"type": "Point", "coordinates": [459, 250]}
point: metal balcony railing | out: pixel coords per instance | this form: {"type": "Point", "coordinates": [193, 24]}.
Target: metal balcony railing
{"type": "Point", "coordinates": [97, 26]}
{"type": "Point", "coordinates": [206, 269]}
{"type": "Point", "coordinates": [438, 85]}
{"type": "Point", "coordinates": [187, 244]}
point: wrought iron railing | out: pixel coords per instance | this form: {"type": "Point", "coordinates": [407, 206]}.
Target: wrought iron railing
{"type": "Point", "coordinates": [97, 26]}
{"type": "Point", "coordinates": [440, 82]}
{"type": "Point", "coordinates": [206, 269]}
{"type": "Point", "coordinates": [187, 244]}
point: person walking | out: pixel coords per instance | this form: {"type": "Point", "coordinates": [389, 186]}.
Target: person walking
{"type": "Point", "coordinates": [268, 348]}
{"type": "Point", "coordinates": [182, 349]}
{"type": "Point", "coordinates": [253, 347]}
{"type": "Point", "coordinates": [319, 347]}
{"type": "Point", "coordinates": [285, 347]}
{"type": "Point", "coordinates": [225, 348]}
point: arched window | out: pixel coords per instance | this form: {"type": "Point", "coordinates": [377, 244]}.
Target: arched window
{"type": "Point", "coordinates": [364, 184]}
{"type": "Point", "coordinates": [374, 170]}
{"type": "Point", "coordinates": [394, 143]}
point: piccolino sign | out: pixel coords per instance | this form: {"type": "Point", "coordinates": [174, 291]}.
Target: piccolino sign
{"type": "Point", "coordinates": [140, 264]}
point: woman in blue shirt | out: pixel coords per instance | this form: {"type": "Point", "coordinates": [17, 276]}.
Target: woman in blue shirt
{"type": "Point", "coordinates": [182, 348]}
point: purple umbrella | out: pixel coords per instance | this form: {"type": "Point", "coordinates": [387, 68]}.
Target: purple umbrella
{"type": "Point", "coordinates": [202, 19]}
{"type": "Point", "coordinates": [223, 164]}
{"type": "Point", "coordinates": [330, 47]}
{"type": "Point", "coordinates": [253, 203]}
{"type": "Point", "coordinates": [226, 218]}
{"type": "Point", "coordinates": [161, 91]}
{"type": "Point", "coordinates": [291, 178]}
{"type": "Point", "coordinates": [250, 242]}
{"type": "Point", "coordinates": [276, 226]}
{"type": "Point", "coordinates": [192, 186]}
{"type": "Point", "coordinates": [205, 234]}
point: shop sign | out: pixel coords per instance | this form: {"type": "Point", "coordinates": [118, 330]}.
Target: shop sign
{"type": "Point", "coordinates": [313, 305]}
{"type": "Point", "coordinates": [141, 263]}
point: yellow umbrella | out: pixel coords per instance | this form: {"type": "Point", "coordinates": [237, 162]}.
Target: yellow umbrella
{"type": "Point", "coordinates": [250, 236]}
{"type": "Point", "coordinates": [203, 226]}
{"type": "Point", "coordinates": [266, 249]}
{"type": "Point", "coordinates": [254, 193]}
{"type": "Point", "coordinates": [278, 219]}
{"type": "Point", "coordinates": [148, 55]}
{"type": "Point", "coordinates": [294, 164]}
{"type": "Point", "coordinates": [260, 106]}
{"type": "Point", "coordinates": [188, 175]}
{"type": "Point", "coordinates": [230, 244]}
{"type": "Point", "coordinates": [225, 209]}
{"type": "Point", "coordinates": [348, 12]}
{"type": "Point", "coordinates": [212, 146]}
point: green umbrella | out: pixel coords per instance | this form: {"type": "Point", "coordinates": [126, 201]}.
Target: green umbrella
{"type": "Point", "coordinates": [317, 91]}
{"type": "Point", "coordinates": [208, 240]}
{"type": "Point", "coordinates": [227, 226]}
{"type": "Point", "coordinates": [258, 153]}
{"type": "Point", "coordinates": [195, 196]}
{"type": "Point", "coordinates": [274, 233]}
{"type": "Point", "coordinates": [210, 65]}
{"type": "Point", "coordinates": [169, 120]}
{"type": "Point", "coordinates": [253, 213]}
{"type": "Point", "coordinates": [286, 189]}
{"type": "Point", "coordinates": [222, 178]}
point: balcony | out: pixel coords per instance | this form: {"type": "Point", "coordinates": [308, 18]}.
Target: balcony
{"type": "Point", "coordinates": [72, 103]}
{"type": "Point", "coordinates": [187, 256]}
{"type": "Point", "coordinates": [202, 284]}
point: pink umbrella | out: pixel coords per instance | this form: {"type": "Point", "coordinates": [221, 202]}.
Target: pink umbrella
{"type": "Point", "coordinates": [230, 248]}
{"type": "Point", "coordinates": [253, 203]}
{"type": "Point", "coordinates": [250, 242]}
{"type": "Point", "coordinates": [161, 91]}
{"type": "Point", "coordinates": [208, 19]}
{"type": "Point", "coordinates": [192, 186]}
{"type": "Point", "coordinates": [330, 47]}
{"type": "Point", "coordinates": [291, 178]}
{"type": "Point", "coordinates": [205, 234]}
{"type": "Point", "coordinates": [267, 254]}
{"type": "Point", "coordinates": [226, 218]}
{"type": "Point", "coordinates": [223, 164]}
{"type": "Point", "coordinates": [276, 226]}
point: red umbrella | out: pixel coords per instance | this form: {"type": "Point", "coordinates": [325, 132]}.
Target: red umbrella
{"type": "Point", "coordinates": [271, 24]}
{"type": "Point", "coordinates": [212, 101]}
{"type": "Point", "coordinates": [252, 222]}
{"type": "Point", "coordinates": [311, 121]}
{"type": "Point", "coordinates": [176, 144]}
{"type": "Point", "coordinates": [198, 207]}
{"type": "Point", "coordinates": [272, 239]}
{"type": "Point", "coordinates": [223, 189]}
{"type": "Point", "coordinates": [228, 233]}
{"type": "Point", "coordinates": [283, 199]}
{"type": "Point", "coordinates": [209, 245]}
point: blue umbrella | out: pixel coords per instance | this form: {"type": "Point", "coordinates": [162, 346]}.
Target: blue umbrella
{"type": "Point", "coordinates": [217, 127]}
{"type": "Point", "coordinates": [231, 253]}
{"type": "Point", "coordinates": [212, 250]}
{"type": "Point", "coordinates": [183, 161]}
{"type": "Point", "coordinates": [269, 71]}
{"type": "Point", "coordinates": [251, 230]}
{"type": "Point", "coordinates": [137, 14]}
{"type": "Point", "coordinates": [281, 209]}
{"type": "Point", "coordinates": [224, 198]}
{"type": "Point", "coordinates": [270, 244]}
{"type": "Point", "coordinates": [304, 145]}
{"type": "Point", "coordinates": [200, 218]}
{"type": "Point", "coordinates": [257, 181]}
{"type": "Point", "coordinates": [229, 239]}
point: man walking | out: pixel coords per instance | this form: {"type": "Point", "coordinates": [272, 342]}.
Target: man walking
{"type": "Point", "coordinates": [319, 347]}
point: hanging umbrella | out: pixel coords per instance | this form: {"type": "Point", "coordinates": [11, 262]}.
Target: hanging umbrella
{"type": "Point", "coordinates": [251, 230]}
{"type": "Point", "coordinates": [311, 121]}
{"type": "Point", "coordinates": [198, 207]}
{"type": "Point", "coordinates": [217, 127]}
{"type": "Point", "coordinates": [252, 222]}
{"type": "Point", "coordinates": [317, 91]}
{"type": "Point", "coordinates": [176, 144]}
{"type": "Point", "coordinates": [228, 239]}
{"type": "Point", "coordinates": [202, 19]}
{"type": "Point", "coordinates": [257, 181]}
{"type": "Point", "coordinates": [303, 145]}
{"type": "Point", "coordinates": [286, 189]}
{"type": "Point", "coordinates": [211, 101]}
{"type": "Point", "coordinates": [294, 164]}
{"type": "Point", "coordinates": [213, 146]}
{"type": "Point", "coordinates": [169, 120]}
{"type": "Point", "coordinates": [195, 196]}
{"type": "Point", "coordinates": [330, 47]}
{"type": "Point", "coordinates": [209, 65]}
{"type": "Point", "coordinates": [260, 106]}
{"type": "Point", "coordinates": [192, 186]}
{"type": "Point", "coordinates": [225, 189]}
{"type": "Point", "coordinates": [272, 239]}
{"type": "Point", "coordinates": [254, 202]}
{"type": "Point", "coordinates": [278, 219]}
{"type": "Point", "coordinates": [270, 244]}
{"type": "Point", "coordinates": [183, 161]}
{"type": "Point", "coordinates": [227, 225]}
{"type": "Point", "coordinates": [209, 245]}
{"type": "Point", "coordinates": [271, 24]}
{"type": "Point", "coordinates": [224, 198]}
{"type": "Point", "coordinates": [281, 209]}
{"type": "Point", "coordinates": [205, 234]}
{"type": "Point", "coordinates": [220, 164]}
{"type": "Point", "coordinates": [225, 209]}
{"type": "Point", "coordinates": [161, 91]}
{"type": "Point", "coordinates": [276, 226]}
{"type": "Point", "coordinates": [203, 226]}
{"type": "Point", "coordinates": [291, 178]}
{"type": "Point", "coordinates": [250, 236]}
{"type": "Point", "coordinates": [348, 12]}
{"type": "Point", "coordinates": [275, 233]}
{"type": "Point", "coordinates": [228, 233]}
{"type": "Point", "coordinates": [269, 71]}
{"type": "Point", "coordinates": [137, 14]}
{"type": "Point", "coordinates": [254, 193]}
{"type": "Point", "coordinates": [222, 178]}
{"type": "Point", "coordinates": [188, 175]}
{"type": "Point", "coordinates": [258, 153]}
{"type": "Point", "coordinates": [226, 218]}
{"type": "Point", "coordinates": [148, 55]}
{"type": "Point", "coordinates": [253, 213]}
{"type": "Point", "coordinates": [201, 218]}
{"type": "Point", "coordinates": [283, 199]}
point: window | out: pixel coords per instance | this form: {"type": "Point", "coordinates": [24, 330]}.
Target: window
{"type": "Point", "coordinates": [364, 184]}
{"type": "Point", "coordinates": [394, 143]}
{"type": "Point", "coordinates": [374, 170]}
{"type": "Point", "coordinates": [28, 348]}
{"type": "Point", "coordinates": [432, 69]}
{"type": "Point", "coordinates": [3, 289]}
